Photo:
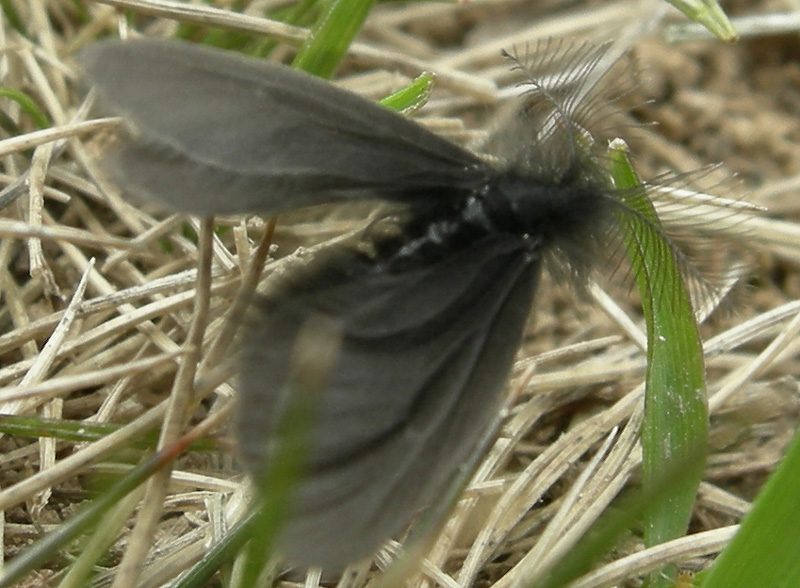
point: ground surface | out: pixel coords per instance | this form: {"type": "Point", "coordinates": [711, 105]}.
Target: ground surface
{"type": "Point", "coordinates": [712, 103]}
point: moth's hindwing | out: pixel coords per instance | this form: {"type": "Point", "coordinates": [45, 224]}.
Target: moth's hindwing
{"type": "Point", "coordinates": [424, 353]}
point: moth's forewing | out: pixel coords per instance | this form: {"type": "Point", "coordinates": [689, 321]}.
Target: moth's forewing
{"type": "Point", "coordinates": [212, 132]}
{"type": "Point", "coordinates": [424, 353]}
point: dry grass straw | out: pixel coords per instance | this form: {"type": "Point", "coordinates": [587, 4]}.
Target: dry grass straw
{"type": "Point", "coordinates": [105, 318]}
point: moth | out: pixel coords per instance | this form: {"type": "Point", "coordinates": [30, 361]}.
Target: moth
{"type": "Point", "coordinates": [428, 318]}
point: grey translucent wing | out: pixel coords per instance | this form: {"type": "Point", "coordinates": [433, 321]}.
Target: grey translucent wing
{"type": "Point", "coordinates": [214, 132]}
{"type": "Point", "coordinates": [424, 356]}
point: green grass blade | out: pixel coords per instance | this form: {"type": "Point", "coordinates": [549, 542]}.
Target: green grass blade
{"type": "Point", "coordinates": [765, 551]}
{"type": "Point", "coordinates": [330, 37]}
{"type": "Point", "coordinates": [80, 572]}
{"type": "Point", "coordinates": [13, 18]}
{"type": "Point", "coordinates": [221, 553]}
{"type": "Point", "coordinates": [27, 104]}
{"type": "Point", "coordinates": [315, 351]}
{"type": "Point", "coordinates": [709, 14]}
{"type": "Point", "coordinates": [35, 427]}
{"type": "Point", "coordinates": [413, 96]}
{"type": "Point", "coordinates": [86, 520]}
{"type": "Point", "coordinates": [675, 425]}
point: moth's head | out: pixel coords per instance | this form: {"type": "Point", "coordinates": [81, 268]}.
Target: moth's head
{"type": "Point", "coordinates": [557, 212]}
{"type": "Point", "coordinates": [557, 174]}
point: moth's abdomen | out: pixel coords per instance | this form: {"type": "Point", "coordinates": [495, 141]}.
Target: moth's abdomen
{"type": "Point", "coordinates": [570, 214]}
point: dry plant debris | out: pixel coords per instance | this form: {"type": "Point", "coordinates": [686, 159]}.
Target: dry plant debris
{"type": "Point", "coordinates": [98, 294]}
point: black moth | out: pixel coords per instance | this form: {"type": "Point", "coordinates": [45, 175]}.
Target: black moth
{"type": "Point", "coordinates": [428, 318]}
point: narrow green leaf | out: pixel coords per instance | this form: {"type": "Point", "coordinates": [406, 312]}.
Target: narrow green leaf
{"type": "Point", "coordinates": [87, 519]}
{"type": "Point", "coordinates": [330, 37]}
{"type": "Point", "coordinates": [80, 572]}
{"type": "Point", "coordinates": [675, 422]}
{"type": "Point", "coordinates": [314, 355]}
{"type": "Point", "coordinates": [13, 18]}
{"type": "Point", "coordinates": [28, 105]}
{"type": "Point", "coordinates": [221, 553]}
{"type": "Point", "coordinates": [413, 96]}
{"type": "Point", "coordinates": [709, 14]}
{"type": "Point", "coordinates": [676, 412]}
{"type": "Point", "coordinates": [301, 13]}
{"type": "Point", "coordinates": [765, 551]}
{"type": "Point", "coordinates": [81, 431]}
